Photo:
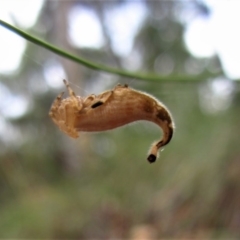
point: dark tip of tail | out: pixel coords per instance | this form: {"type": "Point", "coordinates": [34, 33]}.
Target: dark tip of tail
{"type": "Point", "coordinates": [151, 158]}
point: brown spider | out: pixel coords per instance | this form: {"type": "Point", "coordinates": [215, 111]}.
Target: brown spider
{"type": "Point", "coordinates": [109, 110]}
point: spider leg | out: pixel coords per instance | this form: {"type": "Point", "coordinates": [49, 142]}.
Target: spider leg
{"type": "Point", "coordinates": [56, 104]}
{"type": "Point", "coordinates": [76, 104]}
{"type": "Point", "coordinates": [70, 91]}
{"type": "Point", "coordinates": [121, 86]}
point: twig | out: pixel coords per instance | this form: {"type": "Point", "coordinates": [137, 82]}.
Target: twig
{"type": "Point", "coordinates": [103, 68]}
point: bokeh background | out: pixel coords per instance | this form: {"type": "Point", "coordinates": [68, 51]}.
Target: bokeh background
{"type": "Point", "coordinates": [100, 186]}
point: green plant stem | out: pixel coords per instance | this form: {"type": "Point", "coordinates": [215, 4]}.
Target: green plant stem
{"type": "Point", "coordinates": [100, 67]}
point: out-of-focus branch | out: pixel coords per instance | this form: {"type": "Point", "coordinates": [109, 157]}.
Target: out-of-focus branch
{"type": "Point", "coordinates": [103, 68]}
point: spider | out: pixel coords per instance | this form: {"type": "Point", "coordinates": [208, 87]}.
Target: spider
{"type": "Point", "coordinates": [109, 110]}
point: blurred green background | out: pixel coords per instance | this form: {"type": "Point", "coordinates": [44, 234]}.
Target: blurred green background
{"type": "Point", "coordinates": [100, 186]}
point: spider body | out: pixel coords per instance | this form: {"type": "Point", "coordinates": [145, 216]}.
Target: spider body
{"type": "Point", "coordinates": [109, 110]}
